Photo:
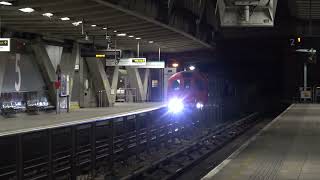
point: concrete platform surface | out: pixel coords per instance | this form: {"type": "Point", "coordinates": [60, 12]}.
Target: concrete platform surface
{"type": "Point", "coordinates": [286, 149]}
{"type": "Point", "coordinates": [27, 123]}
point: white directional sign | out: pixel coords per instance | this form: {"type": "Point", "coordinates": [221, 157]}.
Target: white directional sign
{"type": "Point", "coordinates": [127, 62]}
{"type": "Point", "coordinates": [137, 63]}
{"type": "Point", "coordinates": [4, 44]}
{"type": "Point", "coordinates": [153, 65]}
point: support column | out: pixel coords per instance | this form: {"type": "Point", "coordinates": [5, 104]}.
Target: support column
{"type": "Point", "coordinates": [101, 81]}
{"type": "Point", "coordinates": [114, 85]}
{"type": "Point", "coordinates": [136, 82]}
{"type": "Point", "coordinates": [146, 83]}
{"type": "Point", "coordinates": [3, 63]}
{"type": "Point", "coordinates": [68, 62]}
{"type": "Point", "coordinates": [46, 68]}
{"type": "Point", "coordinates": [84, 94]}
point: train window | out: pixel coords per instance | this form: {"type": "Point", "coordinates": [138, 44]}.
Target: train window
{"type": "Point", "coordinates": [176, 85]}
{"type": "Point", "coordinates": [187, 83]}
{"type": "Point", "coordinates": [187, 74]}
{"type": "Point", "coordinates": [199, 85]}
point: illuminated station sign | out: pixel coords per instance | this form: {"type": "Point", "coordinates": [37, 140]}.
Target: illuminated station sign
{"type": "Point", "coordinates": [106, 54]}
{"type": "Point", "coordinates": [127, 62]}
{"type": "Point", "coordinates": [4, 44]}
{"type": "Point", "coordinates": [137, 63]}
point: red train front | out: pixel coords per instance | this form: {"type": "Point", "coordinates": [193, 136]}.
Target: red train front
{"type": "Point", "coordinates": [187, 89]}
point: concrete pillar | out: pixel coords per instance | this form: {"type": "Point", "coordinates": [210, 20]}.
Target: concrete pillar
{"type": "Point", "coordinates": [135, 81]}
{"type": "Point", "coordinates": [114, 84]}
{"type": "Point", "coordinates": [68, 62]}
{"type": "Point", "coordinates": [3, 63]}
{"type": "Point", "coordinates": [101, 82]}
{"type": "Point", "coordinates": [46, 68]}
{"type": "Point", "coordinates": [84, 84]}
{"type": "Point", "coordinates": [146, 83]}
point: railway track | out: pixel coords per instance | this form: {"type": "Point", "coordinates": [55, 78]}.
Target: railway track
{"type": "Point", "coordinates": [174, 164]}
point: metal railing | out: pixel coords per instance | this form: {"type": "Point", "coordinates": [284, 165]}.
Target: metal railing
{"type": "Point", "coordinates": [127, 95]}
{"type": "Point", "coordinates": [102, 98]}
{"type": "Point", "coordinates": [93, 148]}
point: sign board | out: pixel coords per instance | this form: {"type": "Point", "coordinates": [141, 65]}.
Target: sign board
{"type": "Point", "coordinates": [100, 56]}
{"type": "Point", "coordinates": [4, 44]}
{"type": "Point", "coordinates": [138, 61]}
{"type": "Point", "coordinates": [127, 62]}
{"type": "Point", "coordinates": [305, 94]}
{"type": "Point", "coordinates": [154, 65]}
{"type": "Point", "coordinates": [64, 91]}
{"type": "Point", "coordinates": [108, 54]}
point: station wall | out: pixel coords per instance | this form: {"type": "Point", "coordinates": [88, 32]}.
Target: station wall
{"type": "Point", "coordinates": [21, 73]}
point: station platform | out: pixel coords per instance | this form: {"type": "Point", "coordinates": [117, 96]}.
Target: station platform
{"type": "Point", "coordinates": [287, 148]}
{"type": "Point", "coordinates": [27, 123]}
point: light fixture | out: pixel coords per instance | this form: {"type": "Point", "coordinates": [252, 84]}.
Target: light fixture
{"type": "Point", "coordinates": [104, 28]}
{"type": "Point", "coordinates": [65, 19]}
{"type": "Point", "coordinates": [26, 10]}
{"type": "Point", "coordinates": [5, 3]}
{"type": "Point", "coordinates": [175, 65]}
{"type": "Point", "coordinates": [93, 25]}
{"type": "Point", "coordinates": [121, 34]}
{"type": "Point", "coordinates": [47, 14]}
{"type": "Point", "coordinates": [192, 68]}
{"type": "Point", "coordinates": [77, 23]}
{"type": "Point", "coordinates": [115, 31]}
{"type": "Point", "coordinates": [151, 42]}
{"type": "Point", "coordinates": [138, 38]}
{"type": "Point", "coordinates": [131, 36]}
{"type": "Point", "coordinates": [199, 105]}
{"type": "Point", "coordinates": [175, 105]}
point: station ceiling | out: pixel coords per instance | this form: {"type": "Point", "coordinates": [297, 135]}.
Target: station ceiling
{"type": "Point", "coordinates": [96, 16]}
{"type": "Point", "coordinates": [153, 33]}
{"type": "Point", "coordinates": [303, 10]}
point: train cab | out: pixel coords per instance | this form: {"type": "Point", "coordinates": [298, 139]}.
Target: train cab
{"type": "Point", "coordinates": [187, 89]}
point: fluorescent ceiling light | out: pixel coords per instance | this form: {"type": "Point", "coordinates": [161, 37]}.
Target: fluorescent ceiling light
{"type": "Point", "coordinates": [26, 10]}
{"type": "Point", "coordinates": [93, 25]}
{"type": "Point", "coordinates": [131, 36]}
{"type": "Point", "coordinates": [77, 23]}
{"type": "Point", "coordinates": [115, 31]}
{"type": "Point", "coordinates": [5, 3]}
{"type": "Point", "coordinates": [65, 19]}
{"type": "Point", "coordinates": [105, 28]}
{"type": "Point", "coordinates": [151, 42]}
{"type": "Point", "coordinates": [138, 38]}
{"type": "Point", "coordinates": [47, 14]}
{"type": "Point", "coordinates": [122, 34]}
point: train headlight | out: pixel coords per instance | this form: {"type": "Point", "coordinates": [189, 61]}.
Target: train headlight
{"type": "Point", "coordinates": [175, 105]}
{"type": "Point", "coordinates": [199, 105]}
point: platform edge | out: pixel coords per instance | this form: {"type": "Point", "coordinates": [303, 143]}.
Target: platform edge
{"type": "Point", "coordinates": [224, 163]}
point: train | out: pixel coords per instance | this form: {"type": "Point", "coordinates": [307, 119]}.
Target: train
{"type": "Point", "coordinates": [187, 89]}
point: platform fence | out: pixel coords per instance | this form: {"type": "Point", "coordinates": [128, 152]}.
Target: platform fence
{"type": "Point", "coordinates": [84, 151]}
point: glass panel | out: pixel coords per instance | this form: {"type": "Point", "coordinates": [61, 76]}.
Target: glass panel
{"type": "Point", "coordinates": [176, 85]}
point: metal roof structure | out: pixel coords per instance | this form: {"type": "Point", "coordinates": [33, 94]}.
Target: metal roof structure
{"type": "Point", "coordinates": [304, 9]}
{"type": "Point", "coordinates": [97, 15]}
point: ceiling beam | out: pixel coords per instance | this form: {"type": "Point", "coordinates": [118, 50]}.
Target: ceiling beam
{"type": "Point", "coordinates": [108, 4]}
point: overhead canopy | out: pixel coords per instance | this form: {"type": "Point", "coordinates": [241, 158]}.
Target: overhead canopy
{"type": "Point", "coordinates": [101, 13]}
